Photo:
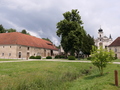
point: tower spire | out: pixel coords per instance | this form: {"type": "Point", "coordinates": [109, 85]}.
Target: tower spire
{"type": "Point", "coordinates": [110, 37]}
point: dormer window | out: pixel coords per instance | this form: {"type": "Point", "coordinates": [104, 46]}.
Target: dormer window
{"type": "Point", "coordinates": [49, 44]}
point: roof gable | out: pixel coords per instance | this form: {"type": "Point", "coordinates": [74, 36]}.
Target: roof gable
{"type": "Point", "coordinates": [23, 39]}
{"type": "Point", "coordinates": [116, 42]}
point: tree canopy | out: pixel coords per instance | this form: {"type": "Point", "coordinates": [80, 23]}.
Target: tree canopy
{"type": "Point", "coordinates": [72, 33]}
{"type": "Point", "coordinates": [25, 32]}
{"type": "Point", "coordinates": [11, 30]}
{"type": "Point", "coordinates": [47, 39]}
{"type": "Point", "coordinates": [2, 30]}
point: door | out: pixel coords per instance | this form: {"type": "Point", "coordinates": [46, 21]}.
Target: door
{"type": "Point", "coordinates": [19, 55]}
{"type": "Point", "coordinates": [27, 56]}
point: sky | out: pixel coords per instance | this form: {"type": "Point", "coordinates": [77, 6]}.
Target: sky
{"type": "Point", "coordinates": [39, 17]}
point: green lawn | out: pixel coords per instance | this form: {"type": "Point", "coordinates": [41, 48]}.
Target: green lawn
{"type": "Point", "coordinates": [9, 59]}
{"type": "Point", "coordinates": [43, 75]}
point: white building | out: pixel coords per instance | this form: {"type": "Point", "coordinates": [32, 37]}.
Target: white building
{"type": "Point", "coordinates": [102, 40]}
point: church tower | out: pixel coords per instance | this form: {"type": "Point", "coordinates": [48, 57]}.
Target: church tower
{"type": "Point", "coordinates": [102, 40]}
{"type": "Point", "coordinates": [100, 33]}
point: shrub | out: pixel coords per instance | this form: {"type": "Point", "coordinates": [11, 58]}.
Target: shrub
{"type": "Point", "coordinates": [88, 58]}
{"type": "Point", "coordinates": [35, 57]}
{"type": "Point", "coordinates": [57, 56]}
{"type": "Point", "coordinates": [48, 57]}
{"type": "Point", "coordinates": [71, 57]}
{"type": "Point", "coordinates": [32, 57]}
{"type": "Point", "coordinates": [38, 57]}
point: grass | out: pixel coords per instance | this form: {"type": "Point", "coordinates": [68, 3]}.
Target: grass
{"type": "Point", "coordinates": [9, 59]}
{"type": "Point", "coordinates": [117, 60]}
{"type": "Point", "coordinates": [41, 75]}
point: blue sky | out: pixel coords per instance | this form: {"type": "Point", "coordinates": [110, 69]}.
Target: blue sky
{"type": "Point", "coordinates": [39, 17]}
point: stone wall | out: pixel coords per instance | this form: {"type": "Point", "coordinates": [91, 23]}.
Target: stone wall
{"type": "Point", "coordinates": [24, 52]}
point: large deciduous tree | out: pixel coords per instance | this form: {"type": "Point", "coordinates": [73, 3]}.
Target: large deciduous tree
{"type": "Point", "coordinates": [72, 33]}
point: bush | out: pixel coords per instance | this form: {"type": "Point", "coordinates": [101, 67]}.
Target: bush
{"type": "Point", "coordinates": [71, 57]}
{"type": "Point", "coordinates": [59, 56]}
{"type": "Point", "coordinates": [89, 58]}
{"type": "Point", "coordinates": [38, 57]}
{"type": "Point", "coordinates": [48, 57]}
{"type": "Point", "coordinates": [32, 57]}
{"type": "Point", "coordinates": [35, 57]}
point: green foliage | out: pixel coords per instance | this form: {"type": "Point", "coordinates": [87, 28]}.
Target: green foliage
{"type": "Point", "coordinates": [25, 32]}
{"type": "Point", "coordinates": [59, 56]}
{"type": "Point", "coordinates": [38, 57]}
{"type": "Point", "coordinates": [48, 57]}
{"type": "Point", "coordinates": [32, 57]}
{"type": "Point", "coordinates": [71, 57]}
{"type": "Point", "coordinates": [88, 58]}
{"type": "Point", "coordinates": [73, 36]}
{"type": "Point", "coordinates": [11, 30]}
{"type": "Point", "coordinates": [87, 45]}
{"type": "Point", "coordinates": [2, 30]}
{"type": "Point", "coordinates": [71, 31]}
{"type": "Point", "coordinates": [101, 57]}
{"type": "Point", "coordinates": [42, 75]}
{"type": "Point", "coordinates": [35, 57]}
{"type": "Point", "coordinates": [47, 39]}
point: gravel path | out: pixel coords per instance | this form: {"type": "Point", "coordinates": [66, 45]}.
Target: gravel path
{"type": "Point", "coordinates": [55, 60]}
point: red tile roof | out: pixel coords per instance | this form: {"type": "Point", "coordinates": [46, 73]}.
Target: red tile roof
{"type": "Point", "coordinates": [16, 38]}
{"type": "Point", "coordinates": [116, 42]}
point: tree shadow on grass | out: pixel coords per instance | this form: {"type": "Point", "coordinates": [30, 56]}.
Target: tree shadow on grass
{"type": "Point", "coordinates": [95, 76]}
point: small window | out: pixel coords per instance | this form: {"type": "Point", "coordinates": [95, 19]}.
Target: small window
{"type": "Point", "coordinates": [9, 54]}
{"type": "Point", "coordinates": [20, 47]}
{"type": "Point", "coordinates": [10, 46]}
{"type": "Point", "coordinates": [105, 47]}
{"type": "Point", "coordinates": [28, 48]}
{"type": "Point", "coordinates": [115, 49]}
{"type": "Point", "coordinates": [2, 54]}
{"type": "Point", "coordinates": [3, 46]}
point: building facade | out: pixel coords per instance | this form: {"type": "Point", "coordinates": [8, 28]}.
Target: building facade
{"type": "Point", "coordinates": [102, 40]}
{"type": "Point", "coordinates": [115, 46]}
{"type": "Point", "coordinates": [21, 46]}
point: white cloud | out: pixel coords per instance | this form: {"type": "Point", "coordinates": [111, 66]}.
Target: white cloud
{"type": "Point", "coordinates": [55, 40]}
{"type": "Point", "coordinates": [39, 17]}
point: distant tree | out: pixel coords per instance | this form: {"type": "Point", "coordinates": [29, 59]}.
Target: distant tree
{"type": "Point", "coordinates": [88, 43]}
{"type": "Point", "coordinates": [101, 57]}
{"type": "Point", "coordinates": [25, 32]}
{"type": "Point", "coordinates": [71, 31]}
{"type": "Point", "coordinates": [47, 39]}
{"type": "Point", "coordinates": [11, 30]}
{"type": "Point", "coordinates": [2, 30]}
